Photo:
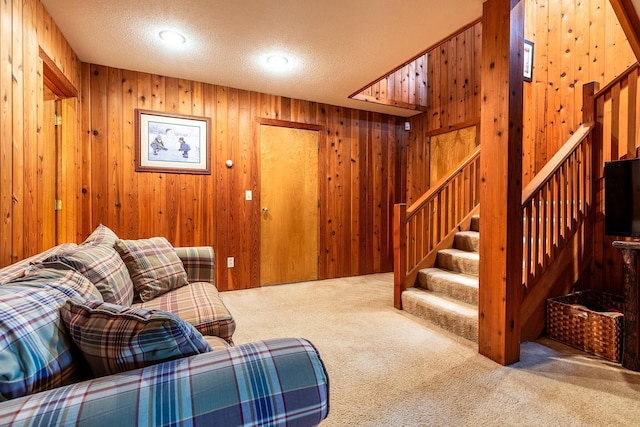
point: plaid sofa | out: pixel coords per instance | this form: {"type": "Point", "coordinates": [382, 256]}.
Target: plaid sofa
{"type": "Point", "coordinates": [267, 383]}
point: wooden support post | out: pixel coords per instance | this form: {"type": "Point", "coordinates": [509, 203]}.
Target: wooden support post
{"type": "Point", "coordinates": [399, 253]}
{"type": "Point", "coordinates": [501, 181]}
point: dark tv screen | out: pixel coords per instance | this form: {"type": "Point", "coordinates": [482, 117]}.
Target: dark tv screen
{"type": "Point", "coordinates": [622, 198]}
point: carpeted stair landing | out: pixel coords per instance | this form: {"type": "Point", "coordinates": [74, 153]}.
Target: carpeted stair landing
{"type": "Point", "coordinates": [447, 294]}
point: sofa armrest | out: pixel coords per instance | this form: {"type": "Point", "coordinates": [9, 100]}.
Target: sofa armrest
{"type": "Point", "coordinates": [274, 382]}
{"type": "Point", "coordinates": [199, 263]}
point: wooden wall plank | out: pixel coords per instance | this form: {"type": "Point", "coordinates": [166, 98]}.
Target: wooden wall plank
{"type": "Point", "coordinates": [32, 97]}
{"type": "Point", "coordinates": [114, 148]}
{"type": "Point", "coordinates": [567, 119]}
{"type": "Point", "coordinates": [99, 145]}
{"type": "Point", "coordinates": [6, 135]}
{"type": "Point", "coordinates": [130, 202]}
{"type": "Point", "coordinates": [355, 160]}
{"type": "Point", "coordinates": [18, 196]}
{"type": "Point", "coordinates": [85, 219]}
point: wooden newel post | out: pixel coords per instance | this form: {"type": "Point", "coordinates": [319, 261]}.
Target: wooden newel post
{"type": "Point", "coordinates": [588, 102]}
{"type": "Point", "coordinates": [631, 338]}
{"type": "Point", "coordinates": [399, 253]}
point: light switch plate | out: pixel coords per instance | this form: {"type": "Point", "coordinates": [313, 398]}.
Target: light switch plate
{"type": "Point", "coordinates": [231, 262]}
{"type": "Point", "coordinates": [248, 195]}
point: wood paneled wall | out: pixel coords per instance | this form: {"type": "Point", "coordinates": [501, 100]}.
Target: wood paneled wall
{"type": "Point", "coordinates": [53, 42]}
{"type": "Point", "coordinates": [453, 101]}
{"type": "Point", "coordinates": [576, 42]}
{"type": "Point", "coordinates": [449, 149]}
{"type": "Point", "coordinates": [406, 87]}
{"type": "Point", "coordinates": [361, 162]}
{"type": "Point", "coordinates": [439, 80]}
{"type": "Point", "coordinates": [25, 162]}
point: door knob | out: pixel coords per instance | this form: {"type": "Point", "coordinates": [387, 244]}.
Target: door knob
{"type": "Point", "coordinates": [265, 210]}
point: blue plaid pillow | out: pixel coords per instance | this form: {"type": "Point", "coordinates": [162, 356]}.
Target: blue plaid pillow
{"type": "Point", "coordinates": [36, 353]}
{"type": "Point", "coordinates": [115, 339]}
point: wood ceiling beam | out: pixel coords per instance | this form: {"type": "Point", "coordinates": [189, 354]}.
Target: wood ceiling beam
{"type": "Point", "coordinates": [630, 22]}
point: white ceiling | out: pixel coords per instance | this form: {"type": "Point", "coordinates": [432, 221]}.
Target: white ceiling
{"type": "Point", "coordinates": [336, 46]}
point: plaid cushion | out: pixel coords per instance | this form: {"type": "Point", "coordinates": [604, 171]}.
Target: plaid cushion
{"type": "Point", "coordinates": [101, 235]}
{"type": "Point", "coordinates": [15, 271]}
{"type": "Point", "coordinates": [199, 263]}
{"type": "Point", "coordinates": [115, 339]}
{"type": "Point", "coordinates": [60, 276]}
{"type": "Point", "coordinates": [280, 382]}
{"type": "Point", "coordinates": [153, 266]}
{"type": "Point", "coordinates": [102, 265]}
{"type": "Point", "coordinates": [200, 305]}
{"type": "Point", "coordinates": [36, 353]}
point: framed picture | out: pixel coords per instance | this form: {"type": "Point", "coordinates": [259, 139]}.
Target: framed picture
{"type": "Point", "coordinates": [528, 60]}
{"type": "Point", "coordinates": [172, 143]}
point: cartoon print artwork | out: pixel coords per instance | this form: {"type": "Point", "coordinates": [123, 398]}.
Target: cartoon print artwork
{"type": "Point", "coordinates": [184, 147]}
{"type": "Point", "coordinates": [158, 145]}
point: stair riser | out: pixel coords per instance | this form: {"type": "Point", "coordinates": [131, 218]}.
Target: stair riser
{"type": "Point", "coordinates": [456, 263]}
{"type": "Point", "coordinates": [475, 223]}
{"type": "Point", "coordinates": [438, 283]}
{"type": "Point", "coordinates": [462, 326]}
{"type": "Point", "coordinates": [466, 242]}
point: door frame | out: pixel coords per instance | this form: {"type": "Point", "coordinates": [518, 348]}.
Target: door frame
{"type": "Point", "coordinates": [67, 107]}
{"type": "Point", "coordinates": [322, 185]}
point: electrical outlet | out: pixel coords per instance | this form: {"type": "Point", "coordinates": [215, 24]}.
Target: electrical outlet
{"type": "Point", "coordinates": [248, 195]}
{"type": "Point", "coordinates": [231, 262]}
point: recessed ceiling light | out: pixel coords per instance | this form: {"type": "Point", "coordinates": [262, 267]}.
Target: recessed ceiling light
{"type": "Point", "coordinates": [277, 61]}
{"type": "Point", "coordinates": [172, 37]}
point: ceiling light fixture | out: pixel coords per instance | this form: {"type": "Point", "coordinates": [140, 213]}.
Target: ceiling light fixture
{"type": "Point", "coordinates": [172, 37]}
{"type": "Point", "coordinates": [277, 61]}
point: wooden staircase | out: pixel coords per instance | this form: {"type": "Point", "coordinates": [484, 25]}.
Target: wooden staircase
{"type": "Point", "coordinates": [447, 294]}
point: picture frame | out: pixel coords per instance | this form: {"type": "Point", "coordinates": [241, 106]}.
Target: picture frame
{"type": "Point", "coordinates": [172, 143]}
{"type": "Point", "coordinates": [528, 61]}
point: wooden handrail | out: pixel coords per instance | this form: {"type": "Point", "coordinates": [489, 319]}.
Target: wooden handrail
{"type": "Point", "coordinates": [452, 128]}
{"type": "Point", "coordinates": [555, 163]}
{"type": "Point", "coordinates": [430, 224]}
{"type": "Point", "coordinates": [422, 201]}
{"type": "Point", "coordinates": [558, 212]}
{"type": "Point", "coordinates": [606, 89]}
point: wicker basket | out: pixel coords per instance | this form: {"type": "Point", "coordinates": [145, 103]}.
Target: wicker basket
{"type": "Point", "coordinates": [591, 321]}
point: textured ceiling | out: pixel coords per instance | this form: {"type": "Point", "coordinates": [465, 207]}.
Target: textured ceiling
{"type": "Point", "coordinates": [336, 46]}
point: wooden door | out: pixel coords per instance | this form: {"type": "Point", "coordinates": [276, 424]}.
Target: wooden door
{"type": "Point", "coordinates": [289, 205]}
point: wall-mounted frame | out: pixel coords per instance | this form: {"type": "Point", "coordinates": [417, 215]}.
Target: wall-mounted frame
{"type": "Point", "coordinates": [172, 143]}
{"type": "Point", "coordinates": [528, 61]}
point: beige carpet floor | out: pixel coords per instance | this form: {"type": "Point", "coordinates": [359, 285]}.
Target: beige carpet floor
{"type": "Point", "coordinates": [387, 368]}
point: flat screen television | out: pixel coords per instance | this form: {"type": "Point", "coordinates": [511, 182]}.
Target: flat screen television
{"type": "Point", "coordinates": [622, 198]}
